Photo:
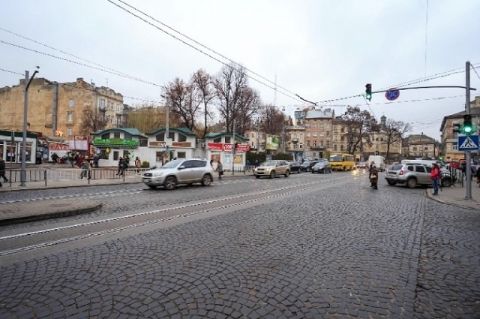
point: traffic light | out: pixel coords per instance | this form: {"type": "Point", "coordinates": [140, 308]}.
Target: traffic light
{"type": "Point", "coordinates": [457, 128]}
{"type": "Point", "coordinates": [368, 91]}
{"type": "Point", "coordinates": [467, 124]}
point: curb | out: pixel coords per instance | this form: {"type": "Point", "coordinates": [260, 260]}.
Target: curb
{"type": "Point", "coordinates": [430, 196]}
{"type": "Point", "coordinates": [64, 213]}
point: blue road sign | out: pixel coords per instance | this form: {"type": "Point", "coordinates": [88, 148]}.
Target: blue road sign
{"type": "Point", "coordinates": [467, 143]}
{"type": "Point", "coordinates": [392, 94]}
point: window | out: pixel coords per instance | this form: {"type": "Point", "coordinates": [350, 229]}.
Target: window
{"type": "Point", "coordinates": [116, 134]}
{"type": "Point", "coordinates": [159, 156]}
{"type": "Point", "coordinates": [143, 141]}
{"type": "Point", "coordinates": [102, 104]}
{"type": "Point", "coordinates": [414, 148]}
{"type": "Point", "coordinates": [182, 138]}
{"type": "Point", "coordinates": [71, 104]}
{"type": "Point", "coordinates": [341, 148]}
{"type": "Point", "coordinates": [115, 155]}
{"type": "Point", "coordinates": [171, 135]}
{"type": "Point", "coordinates": [227, 139]}
{"type": "Point", "coordinates": [69, 131]}
{"type": "Point", "coordinates": [181, 155]}
{"type": "Point", "coordinates": [160, 137]}
{"type": "Point", "coordinates": [217, 140]}
{"type": "Point", "coordinates": [188, 164]}
{"type": "Point", "coordinates": [105, 136]}
{"type": "Point", "coordinates": [335, 147]}
{"type": "Point", "coordinates": [69, 117]}
{"type": "Point", "coordinates": [410, 168]}
{"type": "Point", "coordinates": [420, 169]}
{"type": "Point", "coordinates": [200, 163]}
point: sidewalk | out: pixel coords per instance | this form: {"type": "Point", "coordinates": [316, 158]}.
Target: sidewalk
{"type": "Point", "coordinates": [455, 195]}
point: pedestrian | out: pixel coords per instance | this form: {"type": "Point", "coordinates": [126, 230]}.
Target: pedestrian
{"type": "Point", "coordinates": [85, 169]}
{"type": "Point", "coordinates": [96, 158]}
{"type": "Point", "coordinates": [2, 169]}
{"type": "Point", "coordinates": [220, 170]}
{"type": "Point", "coordinates": [435, 176]}
{"type": "Point", "coordinates": [138, 164]}
{"type": "Point", "coordinates": [478, 175]}
{"type": "Point", "coordinates": [121, 166]}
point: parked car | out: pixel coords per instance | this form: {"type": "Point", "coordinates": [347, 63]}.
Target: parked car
{"type": "Point", "coordinates": [295, 167]}
{"type": "Point", "coordinates": [413, 174]}
{"type": "Point", "coordinates": [307, 165]}
{"type": "Point", "coordinates": [180, 171]}
{"type": "Point", "coordinates": [322, 166]}
{"type": "Point", "coordinates": [272, 169]}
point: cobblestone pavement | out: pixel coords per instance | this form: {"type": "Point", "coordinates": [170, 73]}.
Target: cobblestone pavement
{"type": "Point", "coordinates": [448, 284]}
{"type": "Point", "coordinates": [345, 251]}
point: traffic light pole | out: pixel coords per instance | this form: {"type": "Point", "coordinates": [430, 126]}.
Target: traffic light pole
{"type": "Point", "coordinates": [468, 175]}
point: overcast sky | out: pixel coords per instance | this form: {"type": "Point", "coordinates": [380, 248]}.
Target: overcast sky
{"type": "Point", "coordinates": [318, 49]}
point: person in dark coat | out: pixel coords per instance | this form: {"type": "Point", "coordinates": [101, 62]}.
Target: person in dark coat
{"type": "Point", "coordinates": [2, 170]}
{"type": "Point", "coordinates": [121, 166]}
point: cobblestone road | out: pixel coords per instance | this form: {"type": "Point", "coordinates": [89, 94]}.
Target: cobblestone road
{"type": "Point", "coordinates": [346, 251]}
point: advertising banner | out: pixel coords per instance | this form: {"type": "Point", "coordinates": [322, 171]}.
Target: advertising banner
{"type": "Point", "coordinates": [273, 141]}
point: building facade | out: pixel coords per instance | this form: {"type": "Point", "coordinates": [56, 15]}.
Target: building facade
{"type": "Point", "coordinates": [318, 132]}
{"type": "Point", "coordinates": [449, 138]}
{"type": "Point", "coordinates": [57, 109]}
{"type": "Point", "coordinates": [420, 146]}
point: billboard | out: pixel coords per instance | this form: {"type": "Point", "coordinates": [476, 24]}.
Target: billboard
{"type": "Point", "coordinates": [272, 143]}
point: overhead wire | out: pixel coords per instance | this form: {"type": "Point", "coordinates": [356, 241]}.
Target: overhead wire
{"type": "Point", "coordinates": [12, 72]}
{"type": "Point", "coordinates": [475, 70]}
{"type": "Point", "coordinates": [198, 49]}
{"type": "Point", "coordinates": [205, 47]}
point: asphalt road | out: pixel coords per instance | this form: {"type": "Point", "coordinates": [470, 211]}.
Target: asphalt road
{"type": "Point", "coordinates": [307, 246]}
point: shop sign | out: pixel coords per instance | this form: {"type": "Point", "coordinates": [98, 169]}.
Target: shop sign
{"type": "Point", "coordinates": [181, 144]}
{"type": "Point", "coordinates": [227, 147]}
{"type": "Point", "coordinates": [162, 144]}
{"type": "Point", "coordinates": [58, 147]}
{"type": "Point", "coordinates": [215, 146]}
{"type": "Point", "coordinates": [115, 143]}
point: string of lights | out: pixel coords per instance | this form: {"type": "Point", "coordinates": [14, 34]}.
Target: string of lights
{"type": "Point", "coordinates": [294, 97]}
{"type": "Point", "coordinates": [204, 46]}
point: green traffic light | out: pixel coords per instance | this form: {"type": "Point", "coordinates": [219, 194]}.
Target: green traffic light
{"type": "Point", "coordinates": [467, 129]}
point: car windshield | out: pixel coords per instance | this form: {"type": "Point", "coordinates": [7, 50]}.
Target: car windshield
{"type": "Point", "coordinates": [172, 164]}
{"type": "Point", "coordinates": [335, 158]}
{"type": "Point", "coordinates": [396, 167]}
{"type": "Point", "coordinates": [269, 163]}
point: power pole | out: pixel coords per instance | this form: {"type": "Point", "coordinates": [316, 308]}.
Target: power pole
{"type": "Point", "coordinates": [23, 171]}
{"type": "Point", "coordinates": [468, 189]}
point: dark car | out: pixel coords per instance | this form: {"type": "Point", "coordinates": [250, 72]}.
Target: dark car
{"type": "Point", "coordinates": [295, 167]}
{"type": "Point", "coordinates": [307, 166]}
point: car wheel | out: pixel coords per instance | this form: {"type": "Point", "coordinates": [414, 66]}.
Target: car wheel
{"type": "Point", "coordinates": [391, 183]}
{"type": "Point", "coordinates": [287, 173]}
{"type": "Point", "coordinates": [446, 182]}
{"type": "Point", "coordinates": [170, 183]}
{"type": "Point", "coordinates": [206, 180]}
{"type": "Point", "coordinates": [273, 175]}
{"type": "Point", "coordinates": [412, 182]}
{"type": "Point", "coordinates": [257, 176]}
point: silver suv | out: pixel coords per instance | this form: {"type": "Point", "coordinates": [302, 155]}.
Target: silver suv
{"type": "Point", "coordinates": [180, 171]}
{"type": "Point", "coordinates": [413, 174]}
{"type": "Point", "coordinates": [272, 169]}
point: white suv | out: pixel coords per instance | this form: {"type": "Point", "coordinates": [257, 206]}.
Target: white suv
{"type": "Point", "coordinates": [180, 171]}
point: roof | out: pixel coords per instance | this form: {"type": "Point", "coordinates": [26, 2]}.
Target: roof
{"type": "Point", "coordinates": [220, 134]}
{"type": "Point", "coordinates": [183, 130]}
{"type": "Point", "coordinates": [131, 131]}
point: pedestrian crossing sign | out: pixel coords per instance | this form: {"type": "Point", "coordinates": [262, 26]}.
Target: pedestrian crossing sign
{"type": "Point", "coordinates": [468, 142]}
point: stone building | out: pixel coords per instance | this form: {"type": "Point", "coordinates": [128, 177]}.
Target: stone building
{"type": "Point", "coordinates": [420, 146]}
{"type": "Point", "coordinates": [257, 140]}
{"type": "Point", "coordinates": [56, 109]}
{"type": "Point", "coordinates": [318, 132]}
{"type": "Point", "coordinates": [449, 138]}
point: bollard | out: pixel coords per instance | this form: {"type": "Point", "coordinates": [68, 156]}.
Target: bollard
{"type": "Point", "coordinates": [45, 177]}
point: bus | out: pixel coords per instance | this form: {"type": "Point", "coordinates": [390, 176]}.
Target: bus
{"type": "Point", "coordinates": [342, 162]}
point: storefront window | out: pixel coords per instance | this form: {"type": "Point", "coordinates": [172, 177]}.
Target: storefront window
{"type": "Point", "coordinates": [160, 137]}
{"type": "Point", "coordinates": [105, 136]}
{"type": "Point", "coordinates": [227, 139]}
{"type": "Point", "coordinates": [11, 150]}
{"type": "Point", "coordinates": [115, 155]}
{"type": "Point", "coordinates": [143, 142]}
{"type": "Point", "coordinates": [171, 136]}
{"type": "Point", "coordinates": [217, 140]}
{"type": "Point", "coordinates": [127, 136]}
{"type": "Point", "coordinates": [116, 135]}
{"type": "Point", "coordinates": [182, 138]}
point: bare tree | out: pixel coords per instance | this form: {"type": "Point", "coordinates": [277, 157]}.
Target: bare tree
{"type": "Point", "coordinates": [202, 82]}
{"type": "Point", "coordinates": [148, 118]}
{"type": "Point", "coordinates": [92, 121]}
{"type": "Point", "coordinates": [230, 85]}
{"type": "Point", "coordinates": [248, 106]}
{"type": "Point", "coordinates": [358, 125]}
{"type": "Point", "coordinates": [272, 119]}
{"type": "Point", "coordinates": [183, 102]}
{"type": "Point", "coordinates": [394, 132]}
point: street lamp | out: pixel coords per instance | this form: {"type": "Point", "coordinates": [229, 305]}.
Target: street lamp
{"type": "Point", "coordinates": [23, 171]}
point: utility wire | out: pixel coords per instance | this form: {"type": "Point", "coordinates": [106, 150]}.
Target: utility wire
{"type": "Point", "coordinates": [204, 46]}
{"type": "Point", "coordinates": [197, 49]}
{"type": "Point", "coordinates": [12, 72]}
{"type": "Point", "coordinates": [79, 63]}
{"type": "Point", "coordinates": [475, 70]}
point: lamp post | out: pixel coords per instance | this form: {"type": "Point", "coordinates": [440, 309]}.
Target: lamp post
{"type": "Point", "coordinates": [23, 171]}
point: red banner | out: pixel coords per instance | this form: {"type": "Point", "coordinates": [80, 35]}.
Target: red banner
{"type": "Point", "coordinates": [215, 146]}
{"type": "Point", "coordinates": [227, 147]}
